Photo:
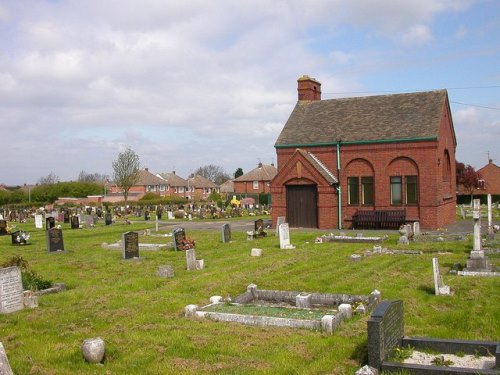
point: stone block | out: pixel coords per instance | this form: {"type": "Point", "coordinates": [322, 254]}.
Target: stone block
{"type": "Point", "coordinates": [190, 310]}
{"type": "Point", "coordinates": [93, 350]}
{"type": "Point", "coordinates": [216, 299]}
{"type": "Point", "coordinates": [303, 301]}
{"type": "Point", "coordinates": [367, 370]}
{"type": "Point", "coordinates": [256, 252]}
{"type": "Point", "coordinates": [346, 310]}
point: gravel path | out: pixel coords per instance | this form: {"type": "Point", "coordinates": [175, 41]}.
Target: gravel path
{"type": "Point", "coordinates": [467, 361]}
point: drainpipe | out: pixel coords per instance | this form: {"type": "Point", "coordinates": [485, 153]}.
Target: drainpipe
{"type": "Point", "coordinates": [339, 190]}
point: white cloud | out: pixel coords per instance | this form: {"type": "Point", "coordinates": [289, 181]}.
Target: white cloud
{"type": "Point", "coordinates": [417, 34]}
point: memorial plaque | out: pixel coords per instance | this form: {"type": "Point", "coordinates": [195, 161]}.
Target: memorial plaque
{"type": "Point", "coordinates": [385, 331]}
{"type": "Point", "coordinates": [284, 236]}
{"type": "Point", "coordinates": [130, 245]}
{"type": "Point", "coordinates": [75, 222]}
{"type": "Point", "coordinates": [3, 227]}
{"type": "Point", "coordinates": [54, 239]}
{"type": "Point", "coordinates": [38, 221]}
{"type": "Point", "coordinates": [179, 237]}
{"type": "Point", "coordinates": [11, 290]}
{"type": "Point", "coordinates": [50, 222]}
{"type": "Point", "coordinates": [108, 218]}
{"type": "Point", "coordinates": [226, 233]}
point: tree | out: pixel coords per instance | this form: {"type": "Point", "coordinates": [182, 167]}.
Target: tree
{"type": "Point", "coordinates": [213, 173]}
{"type": "Point", "coordinates": [126, 170]}
{"type": "Point", "coordinates": [50, 179]}
{"type": "Point", "coordinates": [238, 173]}
{"type": "Point", "coordinates": [92, 177]}
{"type": "Point", "coordinates": [468, 178]}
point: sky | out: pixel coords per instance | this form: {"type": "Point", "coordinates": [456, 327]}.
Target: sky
{"type": "Point", "coordinates": [190, 83]}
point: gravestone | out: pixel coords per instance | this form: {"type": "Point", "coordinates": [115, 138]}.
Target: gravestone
{"type": "Point", "coordinates": [3, 228]}
{"type": "Point", "coordinates": [50, 222]}
{"type": "Point", "coordinates": [60, 217]}
{"type": "Point", "coordinates": [190, 259]}
{"type": "Point", "coordinates": [130, 245]}
{"type": "Point", "coordinates": [226, 233]}
{"type": "Point", "coordinates": [11, 290]}
{"type": "Point", "coordinates": [38, 221]}
{"type": "Point", "coordinates": [385, 331]}
{"type": "Point", "coordinates": [179, 236]}
{"type": "Point", "coordinates": [108, 218]}
{"type": "Point", "coordinates": [66, 217]}
{"type": "Point", "coordinates": [5, 368]}
{"type": "Point", "coordinates": [99, 212]}
{"type": "Point", "coordinates": [284, 231]}
{"type": "Point", "coordinates": [20, 238]}
{"type": "Point", "coordinates": [170, 215]}
{"type": "Point", "coordinates": [146, 215]}
{"type": "Point", "coordinates": [259, 228]}
{"type": "Point", "coordinates": [165, 271]}
{"type": "Point", "coordinates": [90, 221]}
{"type": "Point", "coordinates": [158, 214]}
{"type": "Point", "coordinates": [75, 222]}
{"type": "Point", "coordinates": [54, 239]}
{"type": "Point", "coordinates": [439, 287]}
{"type": "Point", "coordinates": [279, 221]}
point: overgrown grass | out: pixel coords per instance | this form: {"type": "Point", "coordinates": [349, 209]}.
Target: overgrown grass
{"type": "Point", "coordinates": [140, 316]}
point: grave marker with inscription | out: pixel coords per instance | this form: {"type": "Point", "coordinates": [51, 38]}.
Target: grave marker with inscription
{"type": "Point", "coordinates": [385, 331]}
{"type": "Point", "coordinates": [39, 221]}
{"type": "Point", "coordinates": [284, 236]}
{"type": "Point", "coordinates": [226, 233]}
{"type": "Point", "coordinates": [11, 290]}
{"type": "Point", "coordinates": [108, 218]}
{"type": "Point", "coordinates": [130, 243]}
{"type": "Point", "coordinates": [279, 221]}
{"type": "Point", "coordinates": [439, 287]}
{"type": "Point", "coordinates": [179, 237]}
{"type": "Point", "coordinates": [54, 239]}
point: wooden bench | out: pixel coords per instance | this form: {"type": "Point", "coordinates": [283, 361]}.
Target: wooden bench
{"type": "Point", "coordinates": [378, 219]}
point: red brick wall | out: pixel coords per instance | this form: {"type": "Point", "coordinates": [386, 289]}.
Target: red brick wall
{"type": "Point", "coordinates": [246, 187]}
{"type": "Point", "coordinates": [432, 161]}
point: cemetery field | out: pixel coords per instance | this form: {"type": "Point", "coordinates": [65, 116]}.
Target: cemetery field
{"type": "Point", "coordinates": [140, 315]}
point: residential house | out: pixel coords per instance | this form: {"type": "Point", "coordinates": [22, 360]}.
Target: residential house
{"type": "Point", "coordinates": [176, 186]}
{"type": "Point", "coordinates": [200, 187]}
{"type": "Point", "coordinates": [147, 183]}
{"type": "Point", "coordinates": [336, 157]}
{"type": "Point", "coordinates": [257, 181]}
{"type": "Point", "coordinates": [490, 178]}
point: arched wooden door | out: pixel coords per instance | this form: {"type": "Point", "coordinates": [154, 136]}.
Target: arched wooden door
{"type": "Point", "coordinates": [302, 206]}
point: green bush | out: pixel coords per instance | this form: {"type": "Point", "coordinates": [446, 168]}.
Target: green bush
{"type": "Point", "coordinates": [30, 279]}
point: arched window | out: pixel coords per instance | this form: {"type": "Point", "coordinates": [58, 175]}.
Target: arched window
{"type": "Point", "coordinates": [360, 183]}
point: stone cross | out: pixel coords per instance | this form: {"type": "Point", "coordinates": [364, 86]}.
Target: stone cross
{"type": "Point", "coordinates": [476, 215]}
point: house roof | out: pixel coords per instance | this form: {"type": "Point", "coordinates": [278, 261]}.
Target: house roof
{"type": "Point", "coordinates": [147, 178]}
{"type": "Point", "coordinates": [200, 182]}
{"type": "Point", "coordinates": [264, 172]}
{"type": "Point", "coordinates": [172, 179]}
{"type": "Point", "coordinates": [397, 117]}
{"type": "Point", "coordinates": [490, 173]}
{"type": "Point", "coordinates": [227, 187]}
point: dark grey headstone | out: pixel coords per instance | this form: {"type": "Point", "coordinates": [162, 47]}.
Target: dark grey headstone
{"type": "Point", "coordinates": [66, 217]}
{"type": "Point", "coordinates": [75, 222]}
{"type": "Point", "coordinates": [108, 218]}
{"type": "Point", "coordinates": [3, 227]}
{"type": "Point", "coordinates": [226, 233]}
{"type": "Point", "coordinates": [385, 331]}
{"type": "Point", "coordinates": [179, 236]}
{"type": "Point", "coordinates": [54, 239]}
{"type": "Point", "coordinates": [130, 245]}
{"type": "Point", "coordinates": [258, 225]}
{"type": "Point", "coordinates": [50, 222]}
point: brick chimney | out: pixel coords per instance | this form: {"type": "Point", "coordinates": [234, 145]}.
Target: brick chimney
{"type": "Point", "coordinates": [308, 88]}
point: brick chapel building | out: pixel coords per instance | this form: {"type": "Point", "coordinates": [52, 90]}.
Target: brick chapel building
{"type": "Point", "coordinates": [387, 152]}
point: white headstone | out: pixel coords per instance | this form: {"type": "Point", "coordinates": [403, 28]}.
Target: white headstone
{"type": "Point", "coordinates": [416, 228]}
{"type": "Point", "coordinates": [284, 231]}
{"type": "Point", "coordinates": [279, 221]}
{"type": "Point", "coordinates": [170, 215]}
{"type": "Point", "coordinates": [39, 221]}
{"type": "Point", "coordinates": [11, 290]}
{"type": "Point", "coordinates": [256, 252]}
{"type": "Point", "coordinates": [5, 368]}
{"type": "Point", "coordinates": [439, 287]}
{"type": "Point", "coordinates": [346, 310]}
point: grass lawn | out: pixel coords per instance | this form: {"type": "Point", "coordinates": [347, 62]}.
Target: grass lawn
{"type": "Point", "coordinates": [140, 316]}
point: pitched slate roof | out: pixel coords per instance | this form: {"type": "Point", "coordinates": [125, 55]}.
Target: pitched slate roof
{"type": "Point", "coordinates": [147, 178]}
{"type": "Point", "coordinates": [320, 167]}
{"type": "Point", "coordinates": [394, 117]}
{"type": "Point", "coordinates": [201, 182]}
{"type": "Point", "coordinates": [172, 179]}
{"type": "Point", "coordinates": [264, 172]}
